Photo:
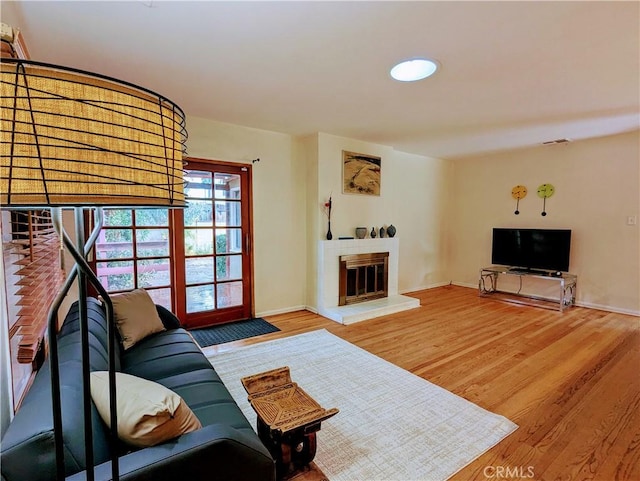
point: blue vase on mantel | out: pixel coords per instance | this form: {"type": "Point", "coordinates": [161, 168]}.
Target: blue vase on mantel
{"type": "Point", "coordinates": [329, 234]}
{"type": "Point", "coordinates": [391, 231]}
{"type": "Point", "coordinates": [373, 233]}
{"type": "Point", "coordinates": [381, 232]}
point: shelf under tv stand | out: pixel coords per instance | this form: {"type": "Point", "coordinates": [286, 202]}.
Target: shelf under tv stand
{"type": "Point", "coordinates": [564, 294]}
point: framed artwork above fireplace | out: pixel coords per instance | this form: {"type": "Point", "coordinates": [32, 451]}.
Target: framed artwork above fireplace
{"type": "Point", "coordinates": [361, 173]}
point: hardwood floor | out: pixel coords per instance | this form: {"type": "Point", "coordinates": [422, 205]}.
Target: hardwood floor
{"type": "Point", "coordinates": [569, 380]}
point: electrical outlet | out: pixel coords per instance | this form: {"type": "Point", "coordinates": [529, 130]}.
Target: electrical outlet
{"type": "Point", "coordinates": [632, 220]}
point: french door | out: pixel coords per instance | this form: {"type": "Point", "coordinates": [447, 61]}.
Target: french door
{"type": "Point", "coordinates": [195, 261]}
{"type": "Point", "coordinates": [213, 274]}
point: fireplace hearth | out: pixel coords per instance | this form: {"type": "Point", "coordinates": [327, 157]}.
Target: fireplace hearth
{"type": "Point", "coordinates": [363, 277]}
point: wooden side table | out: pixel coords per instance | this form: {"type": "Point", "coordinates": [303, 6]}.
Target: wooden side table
{"type": "Point", "coordinates": [288, 418]}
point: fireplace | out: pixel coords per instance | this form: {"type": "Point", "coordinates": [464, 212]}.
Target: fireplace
{"type": "Point", "coordinates": [363, 277]}
{"type": "Point", "coordinates": [330, 253]}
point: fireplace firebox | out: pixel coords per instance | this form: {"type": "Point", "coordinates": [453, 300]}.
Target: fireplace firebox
{"type": "Point", "coordinates": [363, 277]}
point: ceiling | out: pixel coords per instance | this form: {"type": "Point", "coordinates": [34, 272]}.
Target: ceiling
{"type": "Point", "coordinates": [512, 74]}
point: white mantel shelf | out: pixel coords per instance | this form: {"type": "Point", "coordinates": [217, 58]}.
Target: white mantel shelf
{"type": "Point", "coordinates": [329, 253]}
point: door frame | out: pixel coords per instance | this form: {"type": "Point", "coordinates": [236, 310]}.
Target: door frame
{"type": "Point", "coordinates": [195, 320]}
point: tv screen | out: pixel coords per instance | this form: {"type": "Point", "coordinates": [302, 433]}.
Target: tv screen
{"type": "Point", "coordinates": [546, 249]}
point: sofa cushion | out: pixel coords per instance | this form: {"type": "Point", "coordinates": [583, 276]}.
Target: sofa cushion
{"type": "Point", "coordinates": [208, 397]}
{"type": "Point", "coordinates": [148, 413]}
{"type": "Point", "coordinates": [136, 316]}
{"type": "Point", "coordinates": [168, 318]}
{"type": "Point", "coordinates": [174, 360]}
{"type": "Point", "coordinates": [164, 354]}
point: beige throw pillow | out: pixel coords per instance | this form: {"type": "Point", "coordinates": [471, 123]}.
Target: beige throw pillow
{"type": "Point", "coordinates": [136, 316]}
{"type": "Point", "coordinates": [148, 413]}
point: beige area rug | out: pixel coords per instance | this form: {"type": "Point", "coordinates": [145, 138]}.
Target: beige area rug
{"type": "Point", "coordinates": [392, 425]}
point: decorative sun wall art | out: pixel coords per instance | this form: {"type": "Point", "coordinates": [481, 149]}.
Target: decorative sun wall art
{"type": "Point", "coordinates": [360, 173]}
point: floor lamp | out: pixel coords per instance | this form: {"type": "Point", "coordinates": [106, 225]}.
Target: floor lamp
{"type": "Point", "coordinates": [74, 139]}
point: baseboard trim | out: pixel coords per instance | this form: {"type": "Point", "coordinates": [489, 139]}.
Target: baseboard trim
{"type": "Point", "coordinates": [602, 307]}
{"type": "Point", "coordinates": [587, 305]}
{"type": "Point", "coordinates": [424, 288]}
{"type": "Point", "coordinates": [285, 310]}
{"type": "Point", "coordinates": [464, 284]}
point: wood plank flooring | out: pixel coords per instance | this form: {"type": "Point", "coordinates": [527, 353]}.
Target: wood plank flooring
{"type": "Point", "coordinates": [571, 380]}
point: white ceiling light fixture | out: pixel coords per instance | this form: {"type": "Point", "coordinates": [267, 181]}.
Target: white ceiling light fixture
{"type": "Point", "coordinates": [414, 69]}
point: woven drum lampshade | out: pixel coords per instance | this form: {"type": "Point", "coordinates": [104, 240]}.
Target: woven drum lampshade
{"type": "Point", "coordinates": [73, 138]}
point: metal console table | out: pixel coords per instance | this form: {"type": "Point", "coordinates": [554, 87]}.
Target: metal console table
{"type": "Point", "coordinates": [488, 286]}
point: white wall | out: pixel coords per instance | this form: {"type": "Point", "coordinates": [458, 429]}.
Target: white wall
{"type": "Point", "coordinates": [293, 179]}
{"type": "Point", "coordinates": [421, 203]}
{"type": "Point", "coordinates": [309, 147]}
{"type": "Point", "coordinates": [279, 221]}
{"type": "Point", "coordinates": [413, 197]}
{"type": "Point", "coordinates": [597, 188]}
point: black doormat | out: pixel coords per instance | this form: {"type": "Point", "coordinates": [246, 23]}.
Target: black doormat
{"type": "Point", "coordinates": [233, 331]}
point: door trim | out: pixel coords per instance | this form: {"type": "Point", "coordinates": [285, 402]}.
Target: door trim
{"type": "Point", "coordinates": [192, 320]}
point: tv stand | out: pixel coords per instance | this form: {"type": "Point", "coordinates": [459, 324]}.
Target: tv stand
{"type": "Point", "coordinates": [523, 270]}
{"type": "Point", "coordinates": [559, 297]}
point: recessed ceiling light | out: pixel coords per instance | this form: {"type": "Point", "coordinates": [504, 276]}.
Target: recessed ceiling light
{"type": "Point", "coordinates": [415, 69]}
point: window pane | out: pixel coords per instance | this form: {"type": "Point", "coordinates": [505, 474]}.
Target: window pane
{"type": "Point", "coordinates": [199, 270]}
{"type": "Point", "coordinates": [149, 217]}
{"type": "Point", "coordinates": [228, 267]}
{"type": "Point", "coordinates": [115, 244]}
{"type": "Point", "coordinates": [117, 217]}
{"type": "Point", "coordinates": [228, 241]}
{"type": "Point", "coordinates": [154, 273]}
{"type": "Point", "coordinates": [198, 241]}
{"type": "Point", "coordinates": [227, 186]}
{"type": "Point", "coordinates": [229, 294]}
{"type": "Point", "coordinates": [200, 298]}
{"type": "Point", "coordinates": [228, 214]}
{"type": "Point", "coordinates": [198, 213]}
{"type": "Point", "coordinates": [136, 257]}
{"type": "Point", "coordinates": [162, 297]}
{"type": "Point", "coordinates": [116, 275]}
{"type": "Point", "coordinates": [197, 184]}
{"type": "Point", "coordinates": [152, 242]}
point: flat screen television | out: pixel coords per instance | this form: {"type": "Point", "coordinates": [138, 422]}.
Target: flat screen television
{"type": "Point", "coordinates": [531, 249]}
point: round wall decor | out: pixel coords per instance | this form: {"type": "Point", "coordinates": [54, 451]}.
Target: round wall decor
{"type": "Point", "coordinates": [518, 192]}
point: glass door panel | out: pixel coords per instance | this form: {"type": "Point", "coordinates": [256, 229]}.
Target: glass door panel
{"type": "Point", "coordinates": [199, 269]}
{"type": "Point", "coordinates": [199, 213]}
{"type": "Point", "coordinates": [200, 298]}
{"type": "Point", "coordinates": [198, 241]}
{"type": "Point", "coordinates": [216, 262]}
{"type": "Point", "coordinates": [227, 186]}
{"type": "Point", "coordinates": [229, 294]}
{"type": "Point", "coordinates": [228, 268]}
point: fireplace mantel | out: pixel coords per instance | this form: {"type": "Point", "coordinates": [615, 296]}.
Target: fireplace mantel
{"type": "Point", "coordinates": [329, 253]}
